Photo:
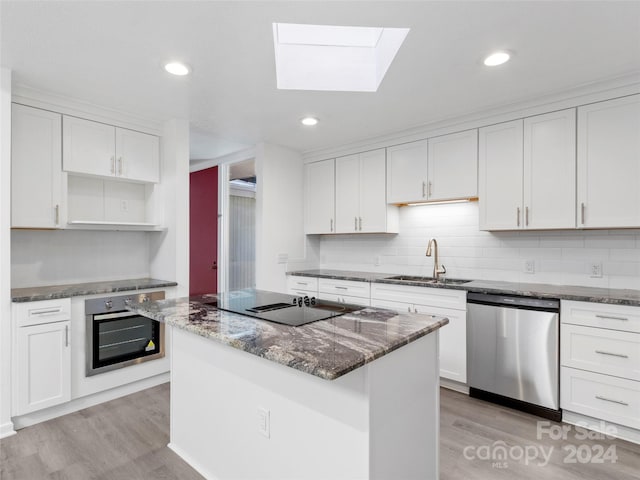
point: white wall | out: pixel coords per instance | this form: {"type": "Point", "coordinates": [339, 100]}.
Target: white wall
{"type": "Point", "coordinates": [279, 214]}
{"type": "Point", "coordinates": [561, 257]}
{"type": "Point", "coordinates": [6, 427]}
{"type": "Point", "coordinates": [56, 257]}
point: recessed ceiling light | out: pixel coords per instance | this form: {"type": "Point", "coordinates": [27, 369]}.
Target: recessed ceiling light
{"type": "Point", "coordinates": [177, 68]}
{"type": "Point", "coordinates": [309, 121]}
{"type": "Point", "coordinates": [497, 58]}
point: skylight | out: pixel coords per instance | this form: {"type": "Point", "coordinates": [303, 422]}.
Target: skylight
{"type": "Point", "coordinates": [326, 57]}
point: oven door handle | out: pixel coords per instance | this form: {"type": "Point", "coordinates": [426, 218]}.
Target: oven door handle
{"type": "Point", "coordinates": [114, 315]}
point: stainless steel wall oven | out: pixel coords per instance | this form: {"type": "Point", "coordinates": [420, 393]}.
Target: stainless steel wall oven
{"type": "Point", "coordinates": [118, 338]}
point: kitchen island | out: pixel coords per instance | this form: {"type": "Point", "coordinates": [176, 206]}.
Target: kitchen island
{"type": "Point", "coordinates": [354, 396]}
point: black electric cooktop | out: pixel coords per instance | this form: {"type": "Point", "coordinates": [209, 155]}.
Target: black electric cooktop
{"type": "Point", "coordinates": [278, 307]}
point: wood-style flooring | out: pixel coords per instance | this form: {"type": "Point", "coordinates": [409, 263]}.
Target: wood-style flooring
{"type": "Point", "coordinates": [126, 439]}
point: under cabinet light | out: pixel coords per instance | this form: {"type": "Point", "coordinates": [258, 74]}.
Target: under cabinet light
{"type": "Point", "coordinates": [439, 202]}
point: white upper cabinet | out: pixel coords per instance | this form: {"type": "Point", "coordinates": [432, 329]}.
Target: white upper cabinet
{"type": "Point", "coordinates": [95, 148]}
{"type": "Point", "coordinates": [453, 166]}
{"type": "Point", "coordinates": [500, 176]}
{"type": "Point", "coordinates": [527, 171]}
{"type": "Point", "coordinates": [550, 170]}
{"type": "Point", "coordinates": [36, 176]}
{"type": "Point", "coordinates": [320, 197]}
{"type": "Point", "coordinates": [609, 164]}
{"type": "Point", "coordinates": [407, 172]}
{"type": "Point", "coordinates": [361, 205]}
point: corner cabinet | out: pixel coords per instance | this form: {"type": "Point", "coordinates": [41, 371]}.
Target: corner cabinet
{"type": "Point", "coordinates": [527, 171]}
{"type": "Point", "coordinates": [609, 164]}
{"type": "Point", "coordinates": [41, 355]}
{"type": "Point", "coordinates": [94, 148]}
{"type": "Point", "coordinates": [319, 214]}
{"type": "Point", "coordinates": [361, 202]}
{"type": "Point", "coordinates": [36, 167]}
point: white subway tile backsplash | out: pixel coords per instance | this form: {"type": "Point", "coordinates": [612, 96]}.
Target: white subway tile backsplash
{"type": "Point", "coordinates": [560, 257]}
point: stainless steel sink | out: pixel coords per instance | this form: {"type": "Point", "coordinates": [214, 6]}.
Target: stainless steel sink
{"type": "Point", "coordinates": [428, 280]}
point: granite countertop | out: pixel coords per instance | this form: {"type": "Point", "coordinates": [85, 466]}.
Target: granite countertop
{"type": "Point", "coordinates": [49, 292]}
{"type": "Point", "coordinates": [539, 290]}
{"type": "Point", "coordinates": [327, 348]}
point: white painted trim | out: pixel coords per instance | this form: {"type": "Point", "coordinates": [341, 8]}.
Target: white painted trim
{"type": "Point", "coordinates": [595, 424]}
{"type": "Point", "coordinates": [88, 401]}
{"type": "Point", "coordinates": [193, 464]}
{"type": "Point", "coordinates": [6, 430]}
{"type": "Point", "coordinates": [453, 385]}
{"type": "Point", "coordinates": [239, 156]}
{"type": "Point", "coordinates": [223, 226]}
{"type": "Point", "coordinates": [579, 95]}
{"type": "Point", "coordinates": [33, 97]}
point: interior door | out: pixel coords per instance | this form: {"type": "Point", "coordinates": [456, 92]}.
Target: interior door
{"type": "Point", "coordinates": [203, 228]}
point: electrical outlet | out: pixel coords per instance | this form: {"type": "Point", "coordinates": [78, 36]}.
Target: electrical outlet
{"type": "Point", "coordinates": [529, 266]}
{"type": "Point", "coordinates": [264, 422]}
{"type": "Point", "coordinates": [595, 270]}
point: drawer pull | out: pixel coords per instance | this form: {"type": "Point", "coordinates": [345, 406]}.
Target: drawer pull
{"type": "Point", "coordinates": [610, 317]}
{"type": "Point", "coordinates": [46, 312]}
{"type": "Point", "coordinates": [619, 402]}
{"type": "Point", "coordinates": [302, 283]}
{"type": "Point", "coordinates": [612, 354]}
{"type": "Point", "coordinates": [342, 288]}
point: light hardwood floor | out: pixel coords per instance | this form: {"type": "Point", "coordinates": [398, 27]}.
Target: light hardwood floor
{"type": "Point", "coordinates": [126, 439]}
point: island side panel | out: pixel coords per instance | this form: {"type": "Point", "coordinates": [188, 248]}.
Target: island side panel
{"type": "Point", "coordinates": [318, 428]}
{"type": "Point", "coordinates": [404, 412]}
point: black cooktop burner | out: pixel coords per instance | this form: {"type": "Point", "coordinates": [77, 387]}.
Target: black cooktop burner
{"type": "Point", "coordinates": [279, 307]}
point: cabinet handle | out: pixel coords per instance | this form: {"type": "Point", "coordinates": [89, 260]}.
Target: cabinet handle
{"type": "Point", "coordinates": [409, 309]}
{"type": "Point", "coordinates": [66, 335]}
{"type": "Point", "coordinates": [342, 288]}
{"type": "Point", "coordinates": [518, 216]}
{"type": "Point", "coordinates": [424, 186]}
{"type": "Point", "coordinates": [582, 212]}
{"type": "Point", "coordinates": [415, 310]}
{"type": "Point", "coordinates": [113, 164]}
{"type": "Point", "coordinates": [120, 163]}
{"type": "Point", "coordinates": [429, 190]}
{"type": "Point", "coordinates": [332, 224]}
{"type": "Point", "coordinates": [609, 317]}
{"type": "Point", "coordinates": [619, 402]}
{"type": "Point", "coordinates": [526, 216]}
{"type": "Point", "coordinates": [360, 221]}
{"type": "Point", "coordinates": [612, 354]}
{"type": "Point", "coordinates": [302, 283]}
{"type": "Point", "coordinates": [57, 214]}
{"type": "Point", "coordinates": [46, 312]}
{"type": "Point", "coordinates": [355, 223]}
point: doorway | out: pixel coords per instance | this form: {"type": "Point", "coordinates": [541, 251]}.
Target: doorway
{"type": "Point", "coordinates": [242, 225]}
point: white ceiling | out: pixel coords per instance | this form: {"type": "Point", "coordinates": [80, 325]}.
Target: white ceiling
{"type": "Point", "coordinates": [110, 53]}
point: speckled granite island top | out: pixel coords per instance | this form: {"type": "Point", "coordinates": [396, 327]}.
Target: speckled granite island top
{"type": "Point", "coordinates": [614, 296]}
{"type": "Point", "coordinates": [327, 348]}
{"type": "Point", "coordinates": [32, 294]}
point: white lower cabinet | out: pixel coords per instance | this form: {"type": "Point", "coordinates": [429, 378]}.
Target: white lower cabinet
{"type": "Point", "coordinates": [600, 357]}
{"type": "Point", "coordinates": [302, 286]}
{"type": "Point", "coordinates": [345, 291]}
{"type": "Point", "coordinates": [435, 301]}
{"type": "Point", "coordinates": [42, 355]}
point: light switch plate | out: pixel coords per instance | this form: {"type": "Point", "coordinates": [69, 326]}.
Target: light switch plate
{"type": "Point", "coordinates": [529, 266]}
{"type": "Point", "coordinates": [595, 270]}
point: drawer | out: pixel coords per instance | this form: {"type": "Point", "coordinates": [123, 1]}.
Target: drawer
{"type": "Point", "coordinates": [600, 350]}
{"type": "Point", "coordinates": [437, 297]}
{"type": "Point", "coordinates": [616, 317]}
{"type": "Point", "coordinates": [601, 396]}
{"type": "Point", "coordinates": [45, 311]}
{"type": "Point", "coordinates": [364, 302]}
{"type": "Point", "coordinates": [308, 284]}
{"type": "Point", "coordinates": [345, 287]}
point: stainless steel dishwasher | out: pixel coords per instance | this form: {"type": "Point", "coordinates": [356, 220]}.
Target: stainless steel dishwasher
{"type": "Point", "coordinates": [513, 352]}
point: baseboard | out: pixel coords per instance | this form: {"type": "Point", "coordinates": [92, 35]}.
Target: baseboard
{"type": "Point", "coordinates": [453, 385]}
{"type": "Point", "coordinates": [624, 433]}
{"type": "Point", "coordinates": [88, 401]}
{"type": "Point", "coordinates": [197, 467]}
{"type": "Point", "coordinates": [6, 430]}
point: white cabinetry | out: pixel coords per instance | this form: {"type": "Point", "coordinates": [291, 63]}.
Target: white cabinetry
{"type": "Point", "coordinates": [453, 166]}
{"type": "Point", "coordinates": [94, 148]}
{"type": "Point", "coordinates": [42, 355]}
{"type": "Point", "coordinates": [302, 286]}
{"type": "Point", "coordinates": [527, 171]}
{"type": "Point", "coordinates": [345, 291]}
{"type": "Point", "coordinates": [609, 163]}
{"type": "Point", "coordinates": [407, 172]}
{"type": "Point", "coordinates": [36, 167]}
{"type": "Point", "coordinates": [361, 204]}
{"type": "Point", "coordinates": [320, 197]}
{"type": "Point", "coordinates": [435, 301]}
{"type": "Point", "coordinates": [600, 357]}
